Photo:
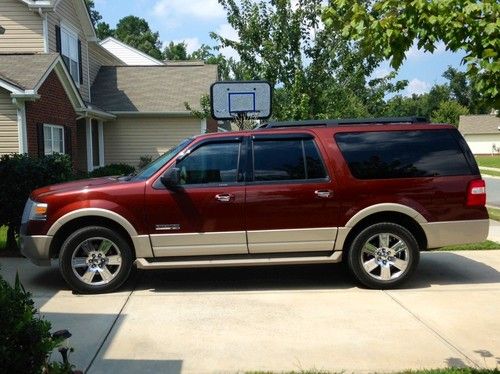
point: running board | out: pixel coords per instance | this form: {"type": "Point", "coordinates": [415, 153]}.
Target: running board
{"type": "Point", "coordinates": [143, 263]}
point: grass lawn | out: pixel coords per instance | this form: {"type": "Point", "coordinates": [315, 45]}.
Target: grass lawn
{"type": "Point", "coordinates": [487, 244]}
{"type": "Point", "coordinates": [3, 236]}
{"type": "Point", "coordinates": [494, 213]}
{"type": "Point", "coordinates": [493, 173]}
{"type": "Point", "coordinates": [488, 161]}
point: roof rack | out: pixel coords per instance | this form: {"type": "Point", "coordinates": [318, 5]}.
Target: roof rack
{"type": "Point", "coordinates": [346, 121]}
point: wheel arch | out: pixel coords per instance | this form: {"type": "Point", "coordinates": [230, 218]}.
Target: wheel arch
{"type": "Point", "coordinates": [67, 226]}
{"type": "Point", "coordinates": [410, 223]}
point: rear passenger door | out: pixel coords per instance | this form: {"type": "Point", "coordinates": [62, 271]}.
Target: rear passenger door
{"type": "Point", "coordinates": [290, 205]}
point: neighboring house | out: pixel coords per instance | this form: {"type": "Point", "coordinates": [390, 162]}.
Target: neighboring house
{"type": "Point", "coordinates": [129, 55]}
{"type": "Point", "coordinates": [482, 133]}
{"type": "Point", "coordinates": [52, 98]}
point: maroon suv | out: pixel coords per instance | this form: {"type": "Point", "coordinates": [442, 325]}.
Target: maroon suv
{"type": "Point", "coordinates": [374, 192]}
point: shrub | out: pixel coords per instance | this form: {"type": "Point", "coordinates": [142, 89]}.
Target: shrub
{"type": "Point", "coordinates": [144, 161]}
{"type": "Point", "coordinates": [112, 169]}
{"type": "Point", "coordinates": [19, 175]}
{"type": "Point", "coordinates": [25, 338]}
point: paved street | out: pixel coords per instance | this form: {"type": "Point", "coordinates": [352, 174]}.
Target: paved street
{"type": "Point", "coordinates": [492, 191]}
{"type": "Point", "coordinates": [279, 318]}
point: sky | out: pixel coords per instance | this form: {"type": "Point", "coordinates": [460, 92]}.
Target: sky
{"type": "Point", "coordinates": [192, 21]}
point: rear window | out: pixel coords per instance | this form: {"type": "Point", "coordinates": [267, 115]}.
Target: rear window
{"type": "Point", "coordinates": [402, 154]}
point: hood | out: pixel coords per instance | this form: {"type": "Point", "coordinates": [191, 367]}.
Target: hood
{"type": "Point", "coordinates": [74, 186]}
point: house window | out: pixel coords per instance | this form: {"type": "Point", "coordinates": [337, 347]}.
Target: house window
{"type": "Point", "coordinates": [53, 138]}
{"type": "Point", "coordinates": [69, 52]}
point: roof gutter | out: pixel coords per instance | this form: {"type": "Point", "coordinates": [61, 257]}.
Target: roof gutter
{"type": "Point", "coordinates": [151, 114]}
{"type": "Point", "coordinates": [95, 113]}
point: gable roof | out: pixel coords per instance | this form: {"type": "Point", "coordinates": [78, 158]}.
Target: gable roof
{"type": "Point", "coordinates": [23, 74]}
{"type": "Point", "coordinates": [128, 54]}
{"type": "Point", "coordinates": [152, 89]}
{"type": "Point", "coordinates": [479, 124]}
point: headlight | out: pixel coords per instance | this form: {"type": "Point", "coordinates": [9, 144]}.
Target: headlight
{"type": "Point", "coordinates": [34, 211]}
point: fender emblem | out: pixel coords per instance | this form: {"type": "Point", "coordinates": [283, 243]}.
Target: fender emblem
{"type": "Point", "coordinates": [172, 226]}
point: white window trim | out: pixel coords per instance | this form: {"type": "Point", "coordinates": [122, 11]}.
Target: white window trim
{"type": "Point", "coordinates": [73, 32]}
{"type": "Point", "coordinates": [49, 126]}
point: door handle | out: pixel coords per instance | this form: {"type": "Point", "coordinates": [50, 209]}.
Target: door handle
{"type": "Point", "coordinates": [224, 197]}
{"type": "Point", "coordinates": [325, 194]}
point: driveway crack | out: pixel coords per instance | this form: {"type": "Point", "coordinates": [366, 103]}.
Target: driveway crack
{"type": "Point", "coordinates": [111, 328]}
{"type": "Point", "coordinates": [433, 331]}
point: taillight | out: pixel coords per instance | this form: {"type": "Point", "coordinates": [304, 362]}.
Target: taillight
{"type": "Point", "coordinates": [476, 193]}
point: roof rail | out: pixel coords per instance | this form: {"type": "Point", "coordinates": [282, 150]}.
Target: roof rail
{"type": "Point", "coordinates": [346, 121]}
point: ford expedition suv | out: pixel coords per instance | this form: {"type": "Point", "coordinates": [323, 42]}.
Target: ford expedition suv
{"type": "Point", "coordinates": [371, 192]}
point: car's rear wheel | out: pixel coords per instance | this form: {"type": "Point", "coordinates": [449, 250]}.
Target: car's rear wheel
{"type": "Point", "coordinates": [383, 255]}
{"type": "Point", "coordinates": [95, 260]}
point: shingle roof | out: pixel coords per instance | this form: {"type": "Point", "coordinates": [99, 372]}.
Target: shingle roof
{"type": "Point", "coordinates": [479, 124]}
{"type": "Point", "coordinates": [25, 70]}
{"type": "Point", "coordinates": [157, 88]}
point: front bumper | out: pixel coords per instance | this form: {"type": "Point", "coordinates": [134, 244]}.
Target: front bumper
{"type": "Point", "coordinates": [36, 248]}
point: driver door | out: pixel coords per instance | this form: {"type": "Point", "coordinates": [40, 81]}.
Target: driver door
{"type": "Point", "coordinates": [204, 215]}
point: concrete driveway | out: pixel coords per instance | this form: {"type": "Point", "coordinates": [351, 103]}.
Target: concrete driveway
{"type": "Point", "coordinates": [279, 318]}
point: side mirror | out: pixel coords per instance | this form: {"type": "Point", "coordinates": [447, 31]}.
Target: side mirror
{"type": "Point", "coordinates": [172, 177]}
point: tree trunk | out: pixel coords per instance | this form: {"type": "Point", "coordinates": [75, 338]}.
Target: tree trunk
{"type": "Point", "coordinates": [11, 240]}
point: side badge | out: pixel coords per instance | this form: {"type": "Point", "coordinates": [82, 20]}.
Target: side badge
{"type": "Point", "coordinates": [168, 227]}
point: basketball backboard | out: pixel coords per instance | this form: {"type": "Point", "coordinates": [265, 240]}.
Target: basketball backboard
{"type": "Point", "coordinates": [232, 99]}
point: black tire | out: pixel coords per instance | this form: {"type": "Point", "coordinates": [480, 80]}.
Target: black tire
{"type": "Point", "coordinates": [388, 274]}
{"type": "Point", "coordinates": [87, 244]}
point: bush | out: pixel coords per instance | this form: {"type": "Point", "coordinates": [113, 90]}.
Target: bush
{"type": "Point", "coordinates": [112, 169]}
{"type": "Point", "coordinates": [19, 175]}
{"type": "Point", "coordinates": [144, 161]}
{"type": "Point", "coordinates": [25, 338]}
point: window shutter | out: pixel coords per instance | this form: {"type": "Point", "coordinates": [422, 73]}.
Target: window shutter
{"type": "Point", "coordinates": [80, 67]}
{"type": "Point", "coordinates": [58, 39]}
{"type": "Point", "coordinates": [40, 140]}
{"type": "Point", "coordinates": [67, 141]}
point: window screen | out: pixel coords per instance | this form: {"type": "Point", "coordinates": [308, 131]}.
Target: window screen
{"type": "Point", "coordinates": [211, 163]}
{"type": "Point", "coordinates": [287, 159]}
{"type": "Point", "coordinates": [402, 154]}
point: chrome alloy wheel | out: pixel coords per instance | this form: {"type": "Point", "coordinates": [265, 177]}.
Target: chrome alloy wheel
{"type": "Point", "coordinates": [96, 261]}
{"type": "Point", "coordinates": [385, 256]}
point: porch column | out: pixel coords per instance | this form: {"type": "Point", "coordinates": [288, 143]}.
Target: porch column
{"type": "Point", "coordinates": [88, 138]}
{"type": "Point", "coordinates": [101, 143]}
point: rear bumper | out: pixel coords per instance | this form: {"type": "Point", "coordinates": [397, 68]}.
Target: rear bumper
{"type": "Point", "coordinates": [440, 234]}
{"type": "Point", "coordinates": [36, 248]}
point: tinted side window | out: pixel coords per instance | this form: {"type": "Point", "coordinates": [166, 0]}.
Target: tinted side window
{"type": "Point", "coordinates": [211, 163]}
{"type": "Point", "coordinates": [292, 159]}
{"type": "Point", "coordinates": [402, 154]}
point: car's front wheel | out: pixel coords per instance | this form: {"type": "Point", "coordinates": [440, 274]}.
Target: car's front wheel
{"type": "Point", "coordinates": [95, 259]}
{"type": "Point", "coordinates": [383, 255]}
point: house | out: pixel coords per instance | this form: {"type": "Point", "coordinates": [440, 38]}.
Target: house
{"type": "Point", "coordinates": [62, 91]}
{"type": "Point", "coordinates": [482, 133]}
{"type": "Point", "coordinates": [129, 55]}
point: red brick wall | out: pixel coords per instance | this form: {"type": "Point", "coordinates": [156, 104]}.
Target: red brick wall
{"type": "Point", "coordinates": [53, 107]}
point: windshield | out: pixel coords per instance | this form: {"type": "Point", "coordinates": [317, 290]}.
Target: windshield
{"type": "Point", "coordinates": [155, 165]}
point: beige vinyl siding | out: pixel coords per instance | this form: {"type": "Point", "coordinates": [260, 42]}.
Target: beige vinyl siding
{"type": "Point", "coordinates": [98, 57]}
{"type": "Point", "coordinates": [23, 28]}
{"type": "Point", "coordinates": [66, 12]}
{"type": "Point", "coordinates": [9, 139]}
{"type": "Point", "coordinates": [127, 139]}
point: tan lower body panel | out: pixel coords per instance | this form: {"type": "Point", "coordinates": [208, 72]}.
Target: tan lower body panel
{"type": "Point", "coordinates": [295, 240]}
{"type": "Point", "coordinates": [142, 263]}
{"type": "Point", "coordinates": [440, 234]}
{"type": "Point", "coordinates": [199, 244]}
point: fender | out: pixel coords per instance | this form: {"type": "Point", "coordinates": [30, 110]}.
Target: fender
{"type": "Point", "coordinates": [85, 212]}
{"type": "Point", "coordinates": [385, 207]}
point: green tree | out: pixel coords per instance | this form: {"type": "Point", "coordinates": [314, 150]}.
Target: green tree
{"type": "Point", "coordinates": [95, 16]}
{"type": "Point", "coordinates": [316, 74]}
{"type": "Point", "coordinates": [103, 30]}
{"type": "Point", "coordinates": [449, 112]}
{"type": "Point", "coordinates": [175, 51]}
{"type": "Point", "coordinates": [388, 29]}
{"type": "Point", "coordinates": [136, 32]}
{"type": "Point", "coordinates": [463, 91]}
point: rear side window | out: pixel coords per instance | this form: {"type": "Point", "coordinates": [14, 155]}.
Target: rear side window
{"type": "Point", "coordinates": [286, 159]}
{"type": "Point", "coordinates": [402, 154]}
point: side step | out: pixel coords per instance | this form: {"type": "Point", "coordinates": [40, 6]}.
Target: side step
{"type": "Point", "coordinates": [143, 263]}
